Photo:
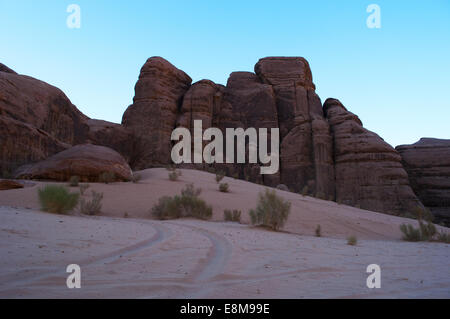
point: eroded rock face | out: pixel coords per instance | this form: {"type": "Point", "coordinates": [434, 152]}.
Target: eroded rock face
{"type": "Point", "coordinates": [22, 143]}
{"type": "Point", "coordinates": [37, 120]}
{"type": "Point", "coordinates": [369, 171]}
{"type": "Point", "coordinates": [86, 161]}
{"type": "Point", "coordinates": [428, 165]}
{"type": "Point", "coordinates": [45, 107]}
{"type": "Point", "coordinates": [306, 147]}
{"type": "Point", "coordinates": [153, 115]}
{"type": "Point", "coordinates": [114, 136]}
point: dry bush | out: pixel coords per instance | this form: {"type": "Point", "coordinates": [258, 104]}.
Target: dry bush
{"type": "Point", "coordinates": [272, 211]}
{"type": "Point", "coordinates": [352, 241]}
{"type": "Point", "coordinates": [57, 199]}
{"type": "Point", "coordinates": [189, 204]}
{"type": "Point", "coordinates": [107, 177]}
{"type": "Point", "coordinates": [224, 187]}
{"type": "Point", "coordinates": [318, 231]}
{"type": "Point", "coordinates": [92, 207]}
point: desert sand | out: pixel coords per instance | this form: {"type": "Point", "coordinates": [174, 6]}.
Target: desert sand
{"type": "Point", "coordinates": [137, 257]}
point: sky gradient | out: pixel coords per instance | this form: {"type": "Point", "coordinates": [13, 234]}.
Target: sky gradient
{"type": "Point", "coordinates": [395, 78]}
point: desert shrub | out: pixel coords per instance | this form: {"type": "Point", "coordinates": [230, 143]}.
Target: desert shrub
{"type": "Point", "coordinates": [283, 187]}
{"type": "Point", "coordinates": [272, 211]}
{"type": "Point", "coordinates": [83, 188]}
{"type": "Point", "coordinates": [174, 175]}
{"type": "Point", "coordinates": [219, 177]}
{"type": "Point", "coordinates": [232, 216]}
{"type": "Point", "coordinates": [352, 241]}
{"type": "Point", "coordinates": [426, 232]}
{"type": "Point", "coordinates": [74, 181]}
{"type": "Point", "coordinates": [92, 207]}
{"type": "Point", "coordinates": [305, 190]}
{"type": "Point", "coordinates": [107, 177]}
{"type": "Point", "coordinates": [167, 208]}
{"type": "Point", "coordinates": [57, 199]}
{"type": "Point", "coordinates": [410, 233]}
{"type": "Point", "coordinates": [136, 177]}
{"type": "Point", "coordinates": [224, 187]}
{"type": "Point", "coordinates": [318, 231]}
{"type": "Point", "coordinates": [189, 204]}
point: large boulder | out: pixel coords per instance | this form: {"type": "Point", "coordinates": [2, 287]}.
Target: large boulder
{"type": "Point", "coordinates": [368, 170]}
{"type": "Point", "coordinates": [86, 161]}
{"type": "Point", "coordinates": [152, 117]}
{"type": "Point", "coordinates": [9, 184]}
{"type": "Point", "coordinates": [37, 120]}
{"type": "Point", "coordinates": [428, 165]}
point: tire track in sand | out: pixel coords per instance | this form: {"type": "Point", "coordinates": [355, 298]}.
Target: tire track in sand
{"type": "Point", "coordinates": [162, 233]}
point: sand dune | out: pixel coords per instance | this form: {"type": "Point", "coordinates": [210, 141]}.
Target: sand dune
{"type": "Point", "coordinates": [138, 257]}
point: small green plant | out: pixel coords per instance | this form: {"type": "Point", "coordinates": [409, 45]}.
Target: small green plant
{"type": "Point", "coordinates": [107, 177]}
{"type": "Point", "coordinates": [224, 188]}
{"type": "Point", "coordinates": [272, 211]}
{"type": "Point", "coordinates": [232, 216]}
{"type": "Point", "coordinates": [136, 177]}
{"type": "Point", "coordinates": [83, 188]}
{"type": "Point", "coordinates": [189, 204]}
{"type": "Point", "coordinates": [74, 181]}
{"type": "Point", "coordinates": [352, 241]}
{"type": "Point", "coordinates": [410, 233]}
{"type": "Point", "coordinates": [92, 207]}
{"type": "Point", "coordinates": [219, 177]}
{"type": "Point", "coordinates": [174, 174]}
{"type": "Point", "coordinates": [57, 199]}
{"type": "Point", "coordinates": [426, 232]}
{"type": "Point", "coordinates": [318, 231]}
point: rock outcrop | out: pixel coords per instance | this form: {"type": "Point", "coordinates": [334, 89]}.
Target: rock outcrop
{"type": "Point", "coordinates": [428, 165]}
{"type": "Point", "coordinates": [369, 171]}
{"type": "Point", "coordinates": [86, 161]}
{"type": "Point", "coordinates": [8, 184]}
{"type": "Point", "coordinates": [324, 151]}
{"type": "Point", "coordinates": [306, 144]}
{"type": "Point", "coordinates": [152, 117]}
{"type": "Point", "coordinates": [37, 120]}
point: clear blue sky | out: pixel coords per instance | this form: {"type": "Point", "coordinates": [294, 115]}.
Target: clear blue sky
{"type": "Point", "coordinates": [396, 78]}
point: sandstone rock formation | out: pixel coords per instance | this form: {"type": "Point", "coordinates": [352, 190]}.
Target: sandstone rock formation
{"type": "Point", "coordinates": [428, 165]}
{"type": "Point", "coordinates": [153, 115]}
{"type": "Point", "coordinates": [324, 151]}
{"type": "Point", "coordinates": [306, 145]}
{"type": "Point", "coordinates": [37, 120]}
{"type": "Point", "coordinates": [86, 161]}
{"type": "Point", "coordinates": [368, 170]}
{"type": "Point", "coordinates": [8, 184]}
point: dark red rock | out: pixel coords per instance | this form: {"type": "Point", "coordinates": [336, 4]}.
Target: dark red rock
{"type": "Point", "coordinates": [369, 171]}
{"type": "Point", "coordinates": [8, 184]}
{"type": "Point", "coordinates": [428, 165]}
{"type": "Point", "coordinates": [152, 117]}
{"type": "Point", "coordinates": [86, 161]}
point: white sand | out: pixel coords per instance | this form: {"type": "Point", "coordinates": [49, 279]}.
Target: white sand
{"type": "Point", "coordinates": [143, 258]}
